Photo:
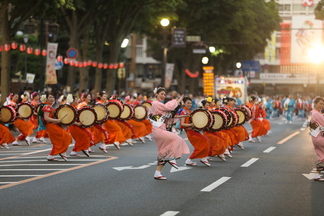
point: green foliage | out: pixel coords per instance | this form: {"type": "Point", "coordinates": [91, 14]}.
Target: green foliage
{"type": "Point", "coordinates": [319, 10]}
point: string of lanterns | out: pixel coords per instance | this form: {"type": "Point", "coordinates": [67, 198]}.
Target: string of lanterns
{"type": "Point", "coordinates": [67, 61]}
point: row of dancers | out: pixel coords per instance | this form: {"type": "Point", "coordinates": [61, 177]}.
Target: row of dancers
{"type": "Point", "coordinates": [112, 131]}
{"type": "Point", "coordinates": [206, 143]}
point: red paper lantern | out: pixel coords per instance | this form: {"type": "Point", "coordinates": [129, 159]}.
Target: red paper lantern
{"type": "Point", "coordinates": [100, 65]}
{"type": "Point", "coordinates": [22, 47]}
{"type": "Point", "coordinates": [111, 66]}
{"type": "Point", "coordinates": [44, 52]}
{"type": "Point", "coordinates": [94, 64]}
{"type": "Point", "coordinates": [121, 64]}
{"type": "Point", "coordinates": [80, 64]}
{"type": "Point", "coordinates": [37, 52]}
{"type": "Point", "coordinates": [6, 47]}
{"type": "Point", "coordinates": [105, 66]}
{"type": "Point", "coordinates": [14, 45]}
{"type": "Point", "coordinates": [1, 48]}
{"type": "Point", "coordinates": [29, 50]}
{"type": "Point", "coordinates": [66, 61]}
{"type": "Point", "coordinates": [85, 64]}
{"type": "Point", "coordinates": [89, 62]}
{"type": "Point", "coordinates": [59, 58]}
{"type": "Point", "coordinates": [72, 63]}
{"type": "Point", "coordinates": [115, 65]}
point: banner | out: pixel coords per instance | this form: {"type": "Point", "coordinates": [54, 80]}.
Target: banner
{"type": "Point", "coordinates": [235, 87]}
{"type": "Point", "coordinates": [168, 75]}
{"type": "Point", "coordinates": [50, 64]}
{"type": "Point", "coordinates": [270, 50]}
{"type": "Point", "coordinates": [306, 34]}
{"type": "Point", "coordinates": [30, 77]}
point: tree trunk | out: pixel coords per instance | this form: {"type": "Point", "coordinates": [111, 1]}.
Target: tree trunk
{"type": "Point", "coordinates": [98, 78]}
{"type": "Point", "coordinates": [111, 73]}
{"type": "Point", "coordinates": [5, 56]}
{"type": "Point", "coordinates": [84, 71]}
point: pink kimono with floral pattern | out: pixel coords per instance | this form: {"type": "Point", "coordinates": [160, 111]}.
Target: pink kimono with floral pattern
{"type": "Point", "coordinates": [170, 145]}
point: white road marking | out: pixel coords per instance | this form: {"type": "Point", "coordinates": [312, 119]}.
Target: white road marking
{"type": "Point", "coordinates": [7, 182]}
{"type": "Point", "coordinates": [12, 161]}
{"type": "Point", "coordinates": [170, 213]}
{"type": "Point", "coordinates": [268, 150]}
{"type": "Point", "coordinates": [14, 170]}
{"type": "Point", "coordinates": [288, 137]}
{"type": "Point", "coordinates": [250, 162]}
{"type": "Point", "coordinates": [19, 176]}
{"type": "Point", "coordinates": [131, 167]}
{"type": "Point", "coordinates": [53, 164]}
{"type": "Point", "coordinates": [310, 175]}
{"type": "Point", "coordinates": [215, 184]}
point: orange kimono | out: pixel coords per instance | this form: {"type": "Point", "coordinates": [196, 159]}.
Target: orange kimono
{"type": "Point", "coordinates": [217, 143]}
{"type": "Point", "coordinates": [5, 135]}
{"type": "Point", "coordinates": [200, 142]}
{"type": "Point", "coordinates": [126, 128]}
{"type": "Point", "coordinates": [59, 137]}
{"type": "Point", "coordinates": [139, 128]}
{"type": "Point", "coordinates": [25, 127]}
{"type": "Point", "coordinates": [257, 125]}
{"type": "Point", "coordinates": [114, 131]}
{"type": "Point", "coordinates": [81, 136]}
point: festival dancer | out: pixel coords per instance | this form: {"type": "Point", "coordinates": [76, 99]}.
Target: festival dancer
{"type": "Point", "coordinates": [200, 142]}
{"type": "Point", "coordinates": [258, 129]}
{"type": "Point", "coordinates": [25, 127]}
{"type": "Point", "coordinates": [59, 137]}
{"type": "Point", "coordinates": [217, 143]}
{"type": "Point", "coordinates": [316, 123]}
{"type": "Point", "coordinates": [81, 136]}
{"type": "Point", "coordinates": [170, 146]}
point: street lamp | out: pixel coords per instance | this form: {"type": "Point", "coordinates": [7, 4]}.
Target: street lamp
{"type": "Point", "coordinates": [164, 23]}
{"type": "Point", "coordinates": [315, 55]}
{"type": "Point", "coordinates": [205, 60]}
{"type": "Point", "coordinates": [26, 38]}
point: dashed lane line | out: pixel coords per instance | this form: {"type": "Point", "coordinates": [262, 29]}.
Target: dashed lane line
{"type": "Point", "coordinates": [249, 162]}
{"type": "Point", "coordinates": [215, 184]}
{"type": "Point", "coordinates": [170, 213]}
{"type": "Point", "coordinates": [268, 150]}
{"type": "Point", "coordinates": [288, 137]}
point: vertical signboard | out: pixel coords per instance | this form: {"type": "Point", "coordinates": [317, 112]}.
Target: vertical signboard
{"type": "Point", "coordinates": [179, 37]}
{"type": "Point", "coordinates": [50, 64]}
{"type": "Point", "coordinates": [208, 81]}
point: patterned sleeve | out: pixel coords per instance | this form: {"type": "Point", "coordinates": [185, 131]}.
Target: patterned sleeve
{"type": "Point", "coordinates": [47, 109]}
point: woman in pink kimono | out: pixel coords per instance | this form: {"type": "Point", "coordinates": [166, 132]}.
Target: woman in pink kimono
{"type": "Point", "coordinates": [316, 125]}
{"type": "Point", "coordinates": [170, 145]}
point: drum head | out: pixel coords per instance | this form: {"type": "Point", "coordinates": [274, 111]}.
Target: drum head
{"type": "Point", "coordinates": [114, 110]}
{"type": "Point", "coordinates": [219, 121]}
{"type": "Point", "coordinates": [101, 112]}
{"type": "Point", "coordinates": [200, 119]}
{"type": "Point", "coordinates": [7, 114]}
{"type": "Point", "coordinates": [147, 104]}
{"type": "Point", "coordinates": [66, 114]}
{"type": "Point", "coordinates": [241, 116]}
{"type": "Point", "coordinates": [87, 117]}
{"type": "Point", "coordinates": [127, 112]}
{"type": "Point", "coordinates": [25, 110]}
{"type": "Point", "coordinates": [140, 112]}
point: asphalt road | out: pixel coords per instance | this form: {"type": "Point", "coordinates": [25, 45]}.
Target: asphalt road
{"type": "Point", "coordinates": [273, 177]}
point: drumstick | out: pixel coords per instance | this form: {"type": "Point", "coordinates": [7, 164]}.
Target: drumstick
{"type": "Point", "coordinates": [64, 117]}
